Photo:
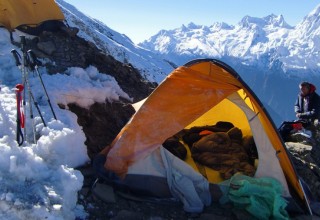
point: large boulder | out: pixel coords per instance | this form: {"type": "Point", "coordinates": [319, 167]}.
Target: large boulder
{"type": "Point", "coordinates": [306, 161]}
{"type": "Point", "coordinates": [101, 123]}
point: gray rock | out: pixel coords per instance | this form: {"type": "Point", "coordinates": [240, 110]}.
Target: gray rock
{"type": "Point", "coordinates": [47, 47]}
{"type": "Point", "coordinates": [306, 162]}
{"type": "Point", "coordinates": [125, 215]}
{"type": "Point", "coordinates": [104, 192]}
{"type": "Point", "coordinates": [298, 147]}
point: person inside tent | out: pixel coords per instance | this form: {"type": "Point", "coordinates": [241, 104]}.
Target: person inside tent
{"type": "Point", "coordinates": [307, 106]}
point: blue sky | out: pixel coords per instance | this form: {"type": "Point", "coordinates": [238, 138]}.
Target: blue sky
{"type": "Point", "coordinates": [140, 19]}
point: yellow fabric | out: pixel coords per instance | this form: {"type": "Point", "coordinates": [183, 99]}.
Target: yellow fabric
{"type": "Point", "coordinates": [178, 102]}
{"type": "Point", "coordinates": [184, 96]}
{"type": "Point", "coordinates": [14, 13]}
{"type": "Point", "coordinates": [224, 111]}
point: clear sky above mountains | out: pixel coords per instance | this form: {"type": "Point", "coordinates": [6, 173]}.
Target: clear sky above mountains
{"type": "Point", "coordinates": [141, 19]}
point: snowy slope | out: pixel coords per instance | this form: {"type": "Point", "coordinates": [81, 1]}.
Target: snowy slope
{"type": "Point", "coordinates": [38, 180]}
{"type": "Point", "coordinates": [151, 66]}
{"type": "Point", "coordinates": [304, 44]}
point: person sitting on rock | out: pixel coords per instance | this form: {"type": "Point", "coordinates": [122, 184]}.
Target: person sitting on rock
{"type": "Point", "coordinates": [307, 106]}
{"type": "Point", "coordinates": [307, 109]}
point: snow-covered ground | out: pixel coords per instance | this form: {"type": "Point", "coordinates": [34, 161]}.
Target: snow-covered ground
{"type": "Point", "coordinates": [38, 180]}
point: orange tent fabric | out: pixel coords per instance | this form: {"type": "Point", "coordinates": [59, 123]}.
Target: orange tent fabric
{"type": "Point", "coordinates": [14, 13]}
{"type": "Point", "coordinates": [189, 92]}
{"type": "Point", "coordinates": [197, 93]}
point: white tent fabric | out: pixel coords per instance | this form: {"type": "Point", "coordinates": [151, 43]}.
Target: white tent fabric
{"type": "Point", "coordinates": [269, 165]}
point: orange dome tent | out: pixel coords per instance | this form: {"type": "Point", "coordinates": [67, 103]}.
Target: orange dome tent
{"type": "Point", "coordinates": [200, 93]}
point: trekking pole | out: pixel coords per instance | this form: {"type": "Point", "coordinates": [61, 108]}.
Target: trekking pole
{"type": "Point", "coordinates": [37, 107]}
{"type": "Point", "coordinates": [17, 58]}
{"type": "Point", "coordinates": [34, 64]}
{"type": "Point", "coordinates": [30, 95]}
{"type": "Point", "coordinates": [22, 67]}
{"type": "Point", "coordinates": [20, 115]}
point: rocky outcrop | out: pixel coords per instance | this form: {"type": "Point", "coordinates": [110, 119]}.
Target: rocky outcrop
{"type": "Point", "coordinates": [65, 49]}
{"type": "Point", "coordinates": [102, 121]}
{"type": "Point", "coordinates": [306, 162]}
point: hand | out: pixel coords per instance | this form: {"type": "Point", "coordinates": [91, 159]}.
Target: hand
{"type": "Point", "coordinates": [298, 115]}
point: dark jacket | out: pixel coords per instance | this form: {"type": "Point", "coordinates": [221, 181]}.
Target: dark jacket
{"type": "Point", "coordinates": [312, 110]}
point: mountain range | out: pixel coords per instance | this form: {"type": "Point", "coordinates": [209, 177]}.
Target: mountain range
{"type": "Point", "coordinates": [252, 40]}
{"type": "Point", "coordinates": [270, 55]}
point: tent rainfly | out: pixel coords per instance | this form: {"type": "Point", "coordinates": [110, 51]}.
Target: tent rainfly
{"type": "Point", "coordinates": [202, 93]}
{"type": "Point", "coordinates": [31, 13]}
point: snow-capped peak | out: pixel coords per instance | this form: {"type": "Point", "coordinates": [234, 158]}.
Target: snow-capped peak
{"type": "Point", "coordinates": [310, 24]}
{"type": "Point", "coordinates": [315, 12]}
{"type": "Point", "coordinates": [216, 26]}
{"type": "Point", "coordinates": [192, 25]}
{"type": "Point", "coordinates": [270, 20]}
{"type": "Point", "coordinates": [276, 21]}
